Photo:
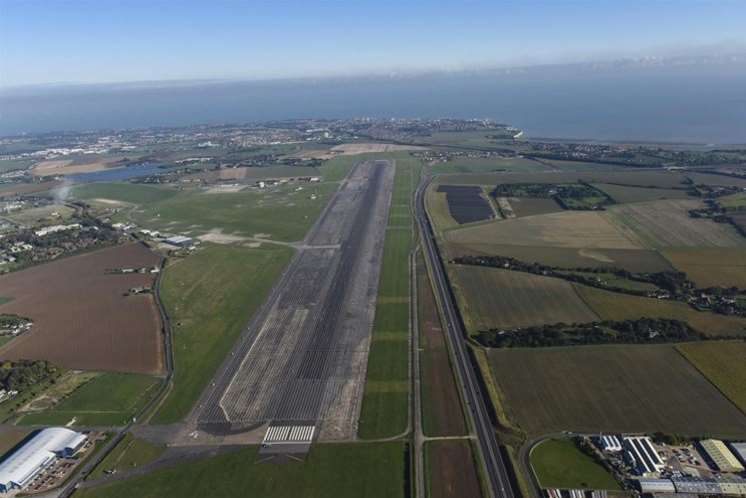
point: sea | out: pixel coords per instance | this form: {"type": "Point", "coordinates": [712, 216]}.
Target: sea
{"type": "Point", "coordinates": [691, 104]}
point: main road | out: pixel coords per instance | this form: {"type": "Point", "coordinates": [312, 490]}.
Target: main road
{"type": "Point", "coordinates": [494, 464]}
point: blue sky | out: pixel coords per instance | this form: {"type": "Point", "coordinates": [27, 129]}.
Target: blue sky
{"type": "Point", "coordinates": [111, 41]}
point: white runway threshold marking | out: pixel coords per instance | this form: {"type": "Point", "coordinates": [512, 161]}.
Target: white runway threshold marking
{"type": "Point", "coordinates": [289, 434]}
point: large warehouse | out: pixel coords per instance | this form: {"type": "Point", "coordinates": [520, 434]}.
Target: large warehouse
{"type": "Point", "coordinates": [721, 456]}
{"type": "Point", "coordinates": [37, 454]}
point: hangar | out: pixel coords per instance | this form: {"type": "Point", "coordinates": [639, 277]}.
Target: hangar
{"type": "Point", "coordinates": [36, 455]}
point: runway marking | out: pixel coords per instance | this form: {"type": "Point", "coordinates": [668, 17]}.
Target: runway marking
{"type": "Point", "coordinates": [289, 434]}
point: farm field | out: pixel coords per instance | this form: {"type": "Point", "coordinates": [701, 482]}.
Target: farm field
{"type": "Point", "coordinates": [129, 453]}
{"type": "Point", "coordinates": [437, 207]}
{"type": "Point", "coordinates": [282, 213]}
{"type": "Point", "coordinates": [710, 179]}
{"type": "Point", "coordinates": [209, 307]}
{"type": "Point", "coordinates": [558, 463]}
{"type": "Point", "coordinates": [12, 189]}
{"type": "Point", "coordinates": [711, 267]}
{"type": "Point", "coordinates": [121, 192]}
{"type": "Point", "coordinates": [724, 364]}
{"type": "Point", "coordinates": [611, 388]}
{"type": "Point", "coordinates": [466, 204]}
{"type": "Point", "coordinates": [660, 224]}
{"type": "Point", "coordinates": [615, 306]}
{"type": "Point", "coordinates": [619, 176]}
{"type": "Point", "coordinates": [345, 470]}
{"type": "Point", "coordinates": [579, 229]}
{"type": "Point", "coordinates": [631, 259]}
{"type": "Point", "coordinates": [385, 405]}
{"type": "Point", "coordinates": [10, 436]}
{"type": "Point", "coordinates": [526, 206]}
{"type": "Point", "coordinates": [82, 319]}
{"type": "Point", "coordinates": [80, 164]}
{"type": "Point", "coordinates": [735, 202]}
{"type": "Point", "coordinates": [491, 298]}
{"type": "Point", "coordinates": [450, 469]}
{"type": "Point", "coordinates": [624, 194]}
{"type": "Point", "coordinates": [107, 399]}
{"type": "Point", "coordinates": [441, 404]}
{"type": "Point", "coordinates": [488, 165]}
{"type": "Point", "coordinates": [43, 215]}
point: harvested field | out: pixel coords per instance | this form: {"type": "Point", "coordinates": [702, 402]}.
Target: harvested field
{"type": "Point", "coordinates": [527, 206]}
{"type": "Point", "coordinates": [740, 221]}
{"type": "Point", "coordinates": [620, 176]}
{"type": "Point", "coordinates": [71, 167]}
{"type": "Point", "coordinates": [710, 179]}
{"type": "Point", "coordinates": [466, 204]}
{"type": "Point", "coordinates": [82, 319]}
{"type": "Point", "coordinates": [661, 224]}
{"type": "Point", "coordinates": [450, 470]}
{"type": "Point", "coordinates": [724, 364]}
{"type": "Point", "coordinates": [12, 189]}
{"type": "Point", "coordinates": [615, 306]}
{"type": "Point", "coordinates": [490, 298]}
{"type": "Point", "coordinates": [636, 260]}
{"type": "Point", "coordinates": [10, 436]}
{"type": "Point", "coordinates": [580, 229]}
{"type": "Point", "coordinates": [488, 165]}
{"type": "Point", "coordinates": [611, 388]}
{"type": "Point", "coordinates": [623, 194]}
{"type": "Point", "coordinates": [441, 405]}
{"type": "Point", "coordinates": [711, 267]}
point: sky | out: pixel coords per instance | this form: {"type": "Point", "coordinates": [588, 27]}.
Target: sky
{"type": "Point", "coordinates": [58, 41]}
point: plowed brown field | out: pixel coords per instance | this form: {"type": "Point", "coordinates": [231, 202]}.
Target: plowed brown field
{"type": "Point", "coordinates": [82, 319]}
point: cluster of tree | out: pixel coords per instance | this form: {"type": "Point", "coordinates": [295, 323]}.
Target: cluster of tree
{"type": "Point", "coordinates": [641, 331]}
{"type": "Point", "coordinates": [9, 321]}
{"type": "Point", "coordinates": [674, 282]}
{"type": "Point", "coordinates": [571, 196]}
{"type": "Point", "coordinates": [23, 374]}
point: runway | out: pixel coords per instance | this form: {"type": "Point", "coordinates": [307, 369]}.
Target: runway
{"type": "Point", "coordinates": [302, 360]}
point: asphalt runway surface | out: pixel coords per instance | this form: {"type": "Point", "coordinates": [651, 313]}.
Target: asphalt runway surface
{"type": "Point", "coordinates": [302, 360]}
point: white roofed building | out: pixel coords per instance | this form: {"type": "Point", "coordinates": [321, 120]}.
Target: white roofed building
{"type": "Point", "coordinates": [38, 453]}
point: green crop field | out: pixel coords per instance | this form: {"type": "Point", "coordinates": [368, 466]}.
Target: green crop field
{"type": "Point", "coordinates": [209, 306]}
{"type": "Point", "coordinates": [558, 463]}
{"type": "Point", "coordinates": [386, 399]}
{"type": "Point", "coordinates": [724, 364]}
{"type": "Point", "coordinates": [492, 298]}
{"type": "Point", "coordinates": [107, 399]}
{"type": "Point", "coordinates": [128, 454]}
{"type": "Point", "coordinates": [122, 192]}
{"type": "Point", "coordinates": [611, 388]}
{"type": "Point", "coordinates": [735, 202]}
{"type": "Point", "coordinates": [615, 306]}
{"type": "Point", "coordinates": [362, 470]}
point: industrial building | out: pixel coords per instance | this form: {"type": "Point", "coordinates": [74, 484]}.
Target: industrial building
{"type": "Point", "coordinates": [739, 449]}
{"type": "Point", "coordinates": [641, 454]}
{"type": "Point", "coordinates": [610, 443]}
{"type": "Point", "coordinates": [656, 485]}
{"type": "Point", "coordinates": [37, 454]}
{"type": "Point", "coordinates": [178, 241]}
{"type": "Point", "coordinates": [721, 456]}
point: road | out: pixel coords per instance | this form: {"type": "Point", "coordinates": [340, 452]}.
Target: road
{"type": "Point", "coordinates": [494, 465]}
